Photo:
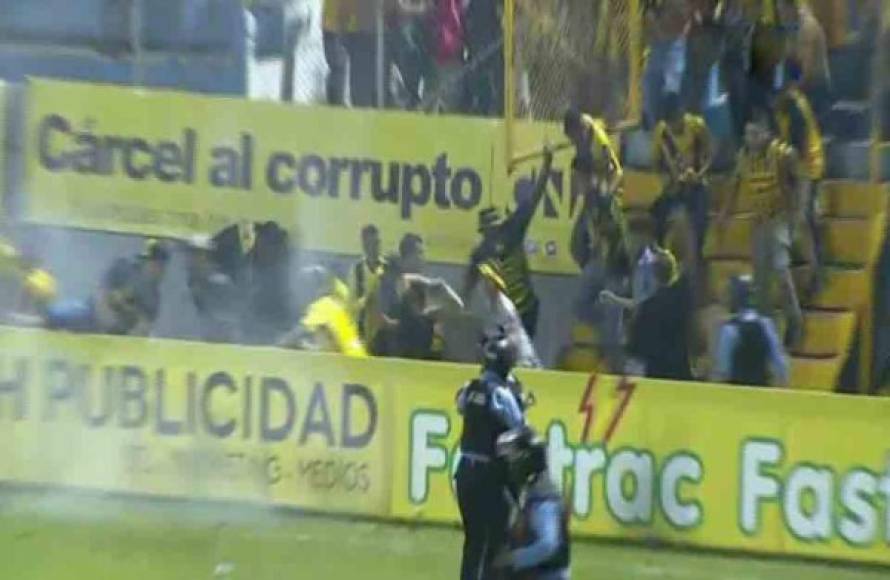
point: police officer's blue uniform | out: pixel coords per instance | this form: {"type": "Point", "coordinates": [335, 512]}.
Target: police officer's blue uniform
{"type": "Point", "coordinates": [540, 546]}
{"type": "Point", "coordinates": [489, 408]}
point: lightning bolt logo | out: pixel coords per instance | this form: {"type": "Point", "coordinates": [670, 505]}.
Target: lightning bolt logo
{"type": "Point", "coordinates": [588, 407]}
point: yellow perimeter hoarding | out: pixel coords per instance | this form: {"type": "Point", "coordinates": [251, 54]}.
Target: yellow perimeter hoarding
{"type": "Point", "coordinates": [173, 164]}
{"type": "Point", "coordinates": [778, 472]}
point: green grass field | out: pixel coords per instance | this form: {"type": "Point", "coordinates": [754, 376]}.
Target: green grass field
{"type": "Point", "coordinates": [54, 537]}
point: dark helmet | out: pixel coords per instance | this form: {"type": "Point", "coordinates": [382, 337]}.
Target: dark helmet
{"type": "Point", "coordinates": [499, 353]}
{"type": "Point", "coordinates": [741, 291]}
{"type": "Point", "coordinates": [523, 452]}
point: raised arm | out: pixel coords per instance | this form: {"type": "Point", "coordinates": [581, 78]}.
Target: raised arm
{"type": "Point", "coordinates": [580, 243]}
{"type": "Point", "coordinates": [519, 221]}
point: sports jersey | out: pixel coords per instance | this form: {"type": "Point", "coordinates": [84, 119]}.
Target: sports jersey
{"type": "Point", "coordinates": [760, 179]}
{"type": "Point", "coordinates": [688, 148]}
{"type": "Point", "coordinates": [330, 314]}
{"type": "Point", "coordinates": [365, 283]}
{"type": "Point", "coordinates": [601, 159]}
{"type": "Point", "coordinates": [798, 126]}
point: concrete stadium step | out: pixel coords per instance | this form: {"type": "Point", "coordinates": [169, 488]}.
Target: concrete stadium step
{"type": "Point", "coordinates": [845, 288]}
{"type": "Point", "coordinates": [816, 374]}
{"type": "Point", "coordinates": [850, 160]}
{"type": "Point", "coordinates": [641, 189]}
{"type": "Point", "coordinates": [853, 240]}
{"type": "Point", "coordinates": [847, 240]}
{"type": "Point", "coordinates": [853, 199]}
{"type": "Point", "coordinates": [827, 333]}
{"type": "Point", "coordinates": [849, 120]}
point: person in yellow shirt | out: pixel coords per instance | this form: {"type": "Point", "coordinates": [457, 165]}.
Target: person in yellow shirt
{"type": "Point", "coordinates": [798, 126]}
{"type": "Point", "coordinates": [682, 153]}
{"type": "Point", "coordinates": [27, 289]}
{"type": "Point", "coordinates": [595, 167]}
{"type": "Point", "coordinates": [768, 177]}
{"type": "Point", "coordinates": [327, 325]}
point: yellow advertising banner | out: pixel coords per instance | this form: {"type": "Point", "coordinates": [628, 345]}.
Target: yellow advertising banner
{"type": "Point", "coordinates": [693, 464]}
{"type": "Point", "coordinates": [767, 471]}
{"type": "Point", "coordinates": [189, 420]}
{"type": "Point", "coordinates": [174, 164]}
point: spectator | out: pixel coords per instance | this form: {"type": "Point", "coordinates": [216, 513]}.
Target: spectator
{"type": "Point", "coordinates": [665, 26]}
{"type": "Point", "coordinates": [412, 254]}
{"type": "Point", "coordinates": [365, 284]}
{"type": "Point", "coordinates": [350, 43]}
{"type": "Point", "coordinates": [502, 250]}
{"type": "Point", "coordinates": [703, 50]}
{"type": "Point", "coordinates": [26, 290]}
{"type": "Point", "coordinates": [799, 127]}
{"type": "Point", "coordinates": [256, 256]}
{"type": "Point", "coordinates": [415, 330]}
{"type": "Point", "coordinates": [412, 52]}
{"type": "Point", "coordinates": [327, 325]}
{"type": "Point", "coordinates": [770, 35]}
{"type": "Point", "coordinates": [447, 39]}
{"type": "Point", "coordinates": [501, 315]}
{"type": "Point", "coordinates": [596, 170]}
{"type": "Point", "coordinates": [735, 23]}
{"type": "Point", "coordinates": [212, 292]}
{"type": "Point", "coordinates": [748, 345]}
{"type": "Point", "coordinates": [809, 51]}
{"type": "Point", "coordinates": [128, 301]}
{"type": "Point", "coordinates": [660, 331]}
{"type": "Point", "coordinates": [599, 237]}
{"type": "Point", "coordinates": [767, 174]}
{"type": "Point", "coordinates": [643, 248]}
{"type": "Point", "coordinates": [682, 152]}
{"type": "Point", "coordinates": [485, 44]}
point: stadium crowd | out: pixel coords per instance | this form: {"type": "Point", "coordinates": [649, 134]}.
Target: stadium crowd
{"type": "Point", "coordinates": [641, 284]}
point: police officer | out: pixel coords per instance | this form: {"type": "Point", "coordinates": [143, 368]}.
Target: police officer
{"type": "Point", "coordinates": [490, 406]}
{"type": "Point", "coordinates": [539, 540]}
{"type": "Point", "coordinates": [748, 347]}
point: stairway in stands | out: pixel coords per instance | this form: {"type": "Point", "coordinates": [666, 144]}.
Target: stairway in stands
{"type": "Point", "coordinates": [855, 221]}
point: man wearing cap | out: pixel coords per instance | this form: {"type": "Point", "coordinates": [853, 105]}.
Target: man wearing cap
{"type": "Point", "coordinates": [502, 251]}
{"type": "Point", "coordinates": [128, 301]}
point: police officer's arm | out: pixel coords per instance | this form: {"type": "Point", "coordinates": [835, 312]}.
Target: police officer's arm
{"type": "Point", "coordinates": [778, 362]}
{"type": "Point", "coordinates": [545, 521]}
{"type": "Point", "coordinates": [726, 344]}
{"type": "Point", "coordinates": [505, 406]}
{"type": "Point", "coordinates": [461, 399]}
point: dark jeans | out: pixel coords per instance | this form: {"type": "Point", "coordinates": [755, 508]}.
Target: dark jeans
{"type": "Point", "coordinates": [694, 199]}
{"type": "Point", "coordinates": [412, 57]}
{"type": "Point", "coordinates": [485, 513]}
{"type": "Point", "coordinates": [352, 59]}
